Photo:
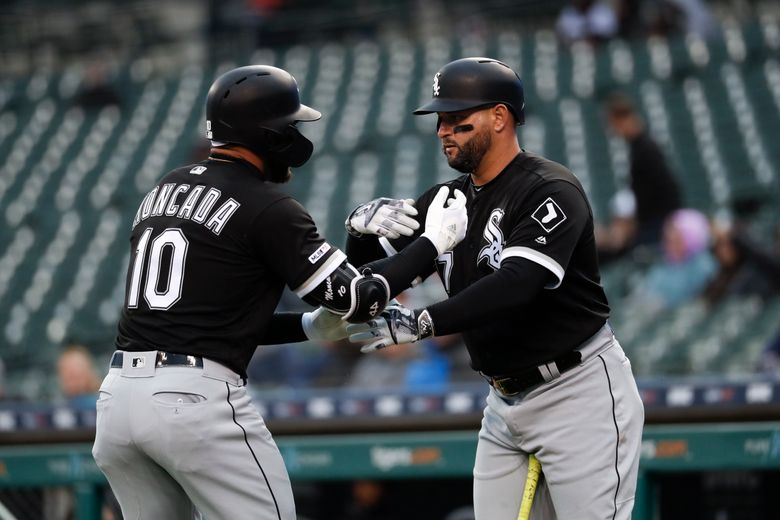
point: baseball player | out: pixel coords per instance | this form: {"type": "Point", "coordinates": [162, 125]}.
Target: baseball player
{"type": "Point", "coordinates": [524, 290]}
{"type": "Point", "coordinates": [213, 245]}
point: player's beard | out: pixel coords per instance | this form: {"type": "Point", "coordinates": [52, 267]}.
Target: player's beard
{"type": "Point", "coordinates": [470, 154]}
{"type": "Point", "coordinates": [276, 171]}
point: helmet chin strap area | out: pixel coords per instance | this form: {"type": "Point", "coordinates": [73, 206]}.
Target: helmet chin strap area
{"type": "Point", "coordinates": [287, 146]}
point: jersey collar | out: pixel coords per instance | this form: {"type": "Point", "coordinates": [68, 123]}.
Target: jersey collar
{"type": "Point", "coordinates": [495, 180]}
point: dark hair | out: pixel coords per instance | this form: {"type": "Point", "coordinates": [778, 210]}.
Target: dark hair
{"type": "Point", "coordinates": [620, 105]}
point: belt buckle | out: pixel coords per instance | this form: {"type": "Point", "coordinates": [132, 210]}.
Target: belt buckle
{"type": "Point", "coordinates": [162, 359]}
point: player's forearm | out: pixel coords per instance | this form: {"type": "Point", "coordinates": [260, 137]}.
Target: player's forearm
{"type": "Point", "coordinates": [284, 327]}
{"type": "Point", "coordinates": [515, 284]}
{"type": "Point", "coordinates": [401, 269]}
{"type": "Point", "coordinates": [364, 249]}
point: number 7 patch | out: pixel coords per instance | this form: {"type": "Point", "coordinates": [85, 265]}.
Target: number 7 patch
{"type": "Point", "coordinates": [549, 215]}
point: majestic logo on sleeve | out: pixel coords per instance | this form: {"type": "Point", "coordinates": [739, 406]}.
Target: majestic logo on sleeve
{"type": "Point", "coordinates": [549, 215]}
{"type": "Point", "coordinates": [436, 87]}
{"type": "Point", "coordinates": [495, 239]}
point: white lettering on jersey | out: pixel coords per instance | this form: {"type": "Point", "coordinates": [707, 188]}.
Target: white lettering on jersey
{"type": "Point", "coordinates": [161, 201]}
{"type": "Point", "coordinates": [324, 248]}
{"type": "Point", "coordinates": [328, 289]}
{"type": "Point", "coordinates": [220, 217]}
{"type": "Point", "coordinates": [190, 201]}
{"type": "Point", "coordinates": [549, 215]}
{"type": "Point", "coordinates": [198, 170]}
{"type": "Point", "coordinates": [172, 207]}
{"type": "Point", "coordinates": [495, 238]}
{"type": "Point", "coordinates": [206, 204]}
{"type": "Point", "coordinates": [148, 203]}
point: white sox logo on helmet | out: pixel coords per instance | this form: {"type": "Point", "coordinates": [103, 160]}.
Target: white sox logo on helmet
{"type": "Point", "coordinates": [495, 238]}
{"type": "Point", "coordinates": [436, 87]}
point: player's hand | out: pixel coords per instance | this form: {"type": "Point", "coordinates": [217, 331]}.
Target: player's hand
{"type": "Point", "coordinates": [322, 324]}
{"type": "Point", "coordinates": [447, 220]}
{"type": "Point", "coordinates": [389, 218]}
{"type": "Point", "coordinates": [395, 326]}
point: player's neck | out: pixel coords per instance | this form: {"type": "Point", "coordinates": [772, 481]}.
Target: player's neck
{"type": "Point", "coordinates": [240, 153]}
{"type": "Point", "coordinates": [495, 160]}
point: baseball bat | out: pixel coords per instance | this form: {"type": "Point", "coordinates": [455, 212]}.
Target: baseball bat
{"type": "Point", "coordinates": [534, 470]}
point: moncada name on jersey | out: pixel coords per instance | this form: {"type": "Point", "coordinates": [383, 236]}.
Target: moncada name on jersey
{"type": "Point", "coordinates": [187, 202]}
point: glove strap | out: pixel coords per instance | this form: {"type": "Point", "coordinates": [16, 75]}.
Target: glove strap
{"type": "Point", "coordinates": [425, 324]}
{"type": "Point", "coordinates": [348, 225]}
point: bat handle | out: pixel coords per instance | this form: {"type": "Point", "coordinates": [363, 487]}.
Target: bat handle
{"type": "Point", "coordinates": [534, 470]}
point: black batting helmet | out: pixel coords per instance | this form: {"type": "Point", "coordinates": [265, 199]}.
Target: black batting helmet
{"type": "Point", "coordinates": [257, 106]}
{"type": "Point", "coordinates": [476, 82]}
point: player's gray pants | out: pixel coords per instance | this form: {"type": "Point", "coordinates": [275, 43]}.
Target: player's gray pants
{"type": "Point", "coordinates": [584, 427]}
{"type": "Point", "coordinates": [171, 437]}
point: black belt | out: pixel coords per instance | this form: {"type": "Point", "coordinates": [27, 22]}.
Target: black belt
{"type": "Point", "coordinates": [517, 383]}
{"type": "Point", "coordinates": [163, 359]}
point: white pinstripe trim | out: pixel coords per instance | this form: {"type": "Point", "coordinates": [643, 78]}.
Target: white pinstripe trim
{"type": "Point", "coordinates": [327, 267]}
{"type": "Point", "coordinates": [387, 246]}
{"type": "Point", "coordinates": [536, 257]}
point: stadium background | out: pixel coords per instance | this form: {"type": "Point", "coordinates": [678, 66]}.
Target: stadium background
{"type": "Point", "coordinates": [98, 99]}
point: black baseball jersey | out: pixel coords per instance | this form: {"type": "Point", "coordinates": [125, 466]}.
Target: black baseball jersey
{"type": "Point", "coordinates": [213, 246]}
{"type": "Point", "coordinates": [535, 209]}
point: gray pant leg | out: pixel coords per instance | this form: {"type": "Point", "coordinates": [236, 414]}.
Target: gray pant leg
{"type": "Point", "coordinates": [201, 432]}
{"type": "Point", "coordinates": [142, 488]}
{"type": "Point", "coordinates": [585, 428]}
{"type": "Point", "coordinates": [500, 472]}
{"type": "Point", "coordinates": [246, 476]}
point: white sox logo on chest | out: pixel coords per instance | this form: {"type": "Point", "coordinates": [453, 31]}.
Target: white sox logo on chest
{"type": "Point", "coordinates": [491, 253]}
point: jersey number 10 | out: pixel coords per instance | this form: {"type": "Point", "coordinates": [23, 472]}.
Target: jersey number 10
{"type": "Point", "coordinates": [156, 297]}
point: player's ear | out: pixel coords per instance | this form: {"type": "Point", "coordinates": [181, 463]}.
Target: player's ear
{"type": "Point", "coordinates": [502, 117]}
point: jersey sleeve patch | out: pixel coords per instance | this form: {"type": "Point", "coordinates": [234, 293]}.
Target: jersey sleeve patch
{"type": "Point", "coordinates": [539, 258]}
{"type": "Point", "coordinates": [315, 256]}
{"type": "Point", "coordinates": [328, 266]}
{"type": "Point", "coordinates": [549, 215]}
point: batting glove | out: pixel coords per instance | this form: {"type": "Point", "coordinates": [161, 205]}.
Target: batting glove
{"type": "Point", "coordinates": [323, 325]}
{"type": "Point", "coordinates": [388, 218]}
{"type": "Point", "coordinates": [395, 326]}
{"type": "Point", "coordinates": [446, 224]}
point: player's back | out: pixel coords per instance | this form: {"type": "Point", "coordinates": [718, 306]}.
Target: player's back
{"type": "Point", "coordinates": [198, 281]}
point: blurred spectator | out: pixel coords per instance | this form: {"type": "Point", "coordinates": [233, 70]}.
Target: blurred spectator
{"type": "Point", "coordinates": [617, 237]}
{"type": "Point", "coordinates": [745, 267]}
{"type": "Point", "coordinates": [687, 266]}
{"type": "Point", "coordinates": [770, 357]}
{"type": "Point", "coordinates": [668, 17]}
{"type": "Point", "coordinates": [629, 19]}
{"type": "Point", "coordinates": [370, 501]}
{"type": "Point", "coordinates": [697, 18]}
{"type": "Point", "coordinates": [324, 365]}
{"type": "Point", "coordinates": [386, 368]}
{"type": "Point", "coordinates": [79, 382]}
{"type": "Point", "coordinates": [586, 20]}
{"type": "Point", "coordinates": [97, 90]}
{"type": "Point", "coordinates": [654, 187]}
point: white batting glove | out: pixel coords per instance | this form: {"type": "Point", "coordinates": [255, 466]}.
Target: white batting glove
{"type": "Point", "coordinates": [446, 224]}
{"type": "Point", "coordinates": [389, 218]}
{"type": "Point", "coordinates": [323, 325]}
{"type": "Point", "coordinates": [395, 326]}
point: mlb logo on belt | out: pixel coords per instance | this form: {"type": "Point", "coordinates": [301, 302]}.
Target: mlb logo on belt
{"type": "Point", "coordinates": [549, 215]}
{"type": "Point", "coordinates": [138, 362]}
